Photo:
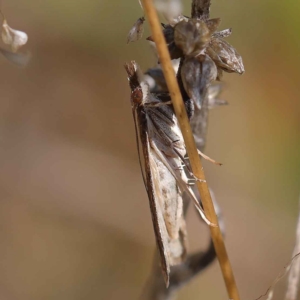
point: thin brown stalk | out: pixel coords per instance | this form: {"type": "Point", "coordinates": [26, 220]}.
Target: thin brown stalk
{"type": "Point", "coordinates": [194, 158]}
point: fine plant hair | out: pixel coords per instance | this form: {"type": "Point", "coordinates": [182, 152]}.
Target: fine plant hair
{"type": "Point", "coordinates": [292, 268]}
{"type": "Point", "coordinates": [294, 276]}
{"type": "Point", "coordinates": [202, 55]}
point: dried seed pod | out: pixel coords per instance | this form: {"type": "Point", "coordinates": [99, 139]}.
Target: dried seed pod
{"type": "Point", "coordinates": [168, 33]}
{"type": "Point", "coordinates": [191, 36]}
{"type": "Point", "coordinates": [213, 94]}
{"type": "Point", "coordinates": [223, 33]}
{"type": "Point", "coordinates": [12, 37]}
{"type": "Point", "coordinates": [220, 74]}
{"type": "Point", "coordinates": [197, 73]}
{"type": "Point", "coordinates": [175, 52]}
{"type": "Point", "coordinates": [137, 30]}
{"type": "Point", "coordinates": [213, 24]}
{"type": "Point", "coordinates": [225, 56]}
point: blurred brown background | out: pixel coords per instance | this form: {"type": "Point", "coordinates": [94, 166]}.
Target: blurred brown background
{"type": "Point", "coordinates": [74, 216]}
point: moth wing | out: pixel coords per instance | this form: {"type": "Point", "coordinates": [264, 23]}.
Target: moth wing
{"type": "Point", "coordinates": [153, 190]}
{"type": "Point", "coordinates": [182, 183]}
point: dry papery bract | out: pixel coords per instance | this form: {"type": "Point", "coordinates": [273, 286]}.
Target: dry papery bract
{"type": "Point", "coordinates": [14, 39]}
{"type": "Point", "coordinates": [137, 30]}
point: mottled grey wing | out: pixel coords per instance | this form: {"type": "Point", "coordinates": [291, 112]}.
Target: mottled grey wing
{"type": "Point", "coordinates": [152, 182]}
{"type": "Point", "coordinates": [149, 164]}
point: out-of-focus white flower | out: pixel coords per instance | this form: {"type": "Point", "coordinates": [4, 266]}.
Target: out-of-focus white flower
{"type": "Point", "coordinates": [171, 9]}
{"type": "Point", "coordinates": [12, 37]}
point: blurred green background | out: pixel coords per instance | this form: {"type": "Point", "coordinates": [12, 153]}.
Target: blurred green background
{"type": "Point", "coordinates": [74, 216]}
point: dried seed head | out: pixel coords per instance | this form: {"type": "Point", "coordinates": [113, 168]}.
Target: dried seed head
{"type": "Point", "coordinates": [12, 37]}
{"type": "Point", "coordinates": [225, 56]}
{"type": "Point", "coordinates": [191, 36]}
{"type": "Point", "coordinates": [137, 30]}
{"type": "Point", "coordinates": [197, 73]}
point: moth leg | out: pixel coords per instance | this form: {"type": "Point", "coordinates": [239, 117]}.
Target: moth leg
{"type": "Point", "coordinates": [188, 169]}
{"type": "Point", "coordinates": [181, 174]}
{"type": "Point", "coordinates": [208, 158]}
{"type": "Point", "coordinates": [191, 182]}
{"type": "Point", "coordinates": [188, 181]}
{"type": "Point", "coordinates": [181, 183]}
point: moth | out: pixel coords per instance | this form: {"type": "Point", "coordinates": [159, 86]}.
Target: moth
{"type": "Point", "coordinates": [162, 163]}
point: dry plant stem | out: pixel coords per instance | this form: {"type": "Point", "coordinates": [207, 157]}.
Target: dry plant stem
{"type": "Point", "coordinates": [194, 158]}
{"type": "Point", "coordinates": [294, 276]}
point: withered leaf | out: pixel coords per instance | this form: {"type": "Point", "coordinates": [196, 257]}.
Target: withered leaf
{"type": "Point", "coordinates": [197, 73]}
{"type": "Point", "coordinates": [225, 56]}
{"type": "Point", "coordinates": [137, 30]}
{"type": "Point", "coordinates": [191, 36]}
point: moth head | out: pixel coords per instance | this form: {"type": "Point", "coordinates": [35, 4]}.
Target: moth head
{"type": "Point", "coordinates": [136, 86]}
{"type": "Point", "coordinates": [137, 95]}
